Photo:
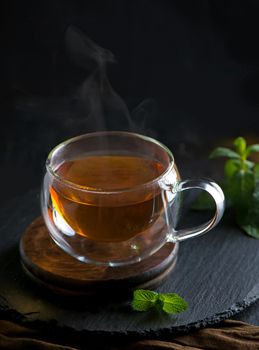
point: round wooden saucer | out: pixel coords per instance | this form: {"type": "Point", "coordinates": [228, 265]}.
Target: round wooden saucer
{"type": "Point", "coordinates": [52, 268]}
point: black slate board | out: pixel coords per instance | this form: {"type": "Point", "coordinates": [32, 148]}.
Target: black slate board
{"type": "Point", "coordinates": [217, 274]}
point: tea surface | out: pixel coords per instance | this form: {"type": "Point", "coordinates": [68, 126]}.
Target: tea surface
{"type": "Point", "coordinates": [110, 172]}
{"type": "Point", "coordinates": [113, 220]}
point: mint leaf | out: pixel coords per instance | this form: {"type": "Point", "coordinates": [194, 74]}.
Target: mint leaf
{"type": "Point", "coordinates": [144, 299]}
{"type": "Point", "coordinates": [240, 146]}
{"type": "Point", "coordinates": [239, 189]}
{"type": "Point", "coordinates": [231, 167]}
{"type": "Point", "coordinates": [241, 185]}
{"type": "Point", "coordinates": [249, 164]}
{"type": "Point", "coordinates": [251, 229]}
{"type": "Point", "coordinates": [252, 149]}
{"type": "Point", "coordinates": [256, 173]}
{"type": "Point", "coordinates": [203, 202]}
{"type": "Point", "coordinates": [224, 152]}
{"type": "Point", "coordinates": [172, 303]}
{"type": "Point", "coordinates": [249, 220]}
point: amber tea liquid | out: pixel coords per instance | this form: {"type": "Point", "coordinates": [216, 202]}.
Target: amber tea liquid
{"type": "Point", "coordinates": [108, 217]}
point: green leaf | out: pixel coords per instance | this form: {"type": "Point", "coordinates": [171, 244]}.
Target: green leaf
{"type": "Point", "coordinates": [252, 149]}
{"type": "Point", "coordinates": [239, 189]}
{"type": "Point", "coordinates": [224, 152]}
{"type": "Point", "coordinates": [256, 172]}
{"type": "Point", "coordinates": [249, 164]}
{"type": "Point", "coordinates": [240, 146]}
{"type": "Point", "coordinates": [203, 202]}
{"type": "Point", "coordinates": [251, 230]}
{"type": "Point", "coordinates": [246, 183]}
{"type": "Point", "coordinates": [144, 299]}
{"type": "Point", "coordinates": [172, 303]}
{"type": "Point", "coordinates": [241, 185]}
{"type": "Point", "coordinates": [231, 167]}
{"type": "Point", "coordinates": [249, 220]}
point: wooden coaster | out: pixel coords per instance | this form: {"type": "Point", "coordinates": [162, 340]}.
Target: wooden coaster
{"type": "Point", "coordinates": [59, 272]}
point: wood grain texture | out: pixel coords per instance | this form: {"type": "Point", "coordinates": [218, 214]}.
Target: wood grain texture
{"type": "Point", "coordinates": [50, 266]}
{"type": "Point", "coordinates": [217, 274]}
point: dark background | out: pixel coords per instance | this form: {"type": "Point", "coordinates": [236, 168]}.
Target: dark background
{"type": "Point", "coordinates": [194, 63]}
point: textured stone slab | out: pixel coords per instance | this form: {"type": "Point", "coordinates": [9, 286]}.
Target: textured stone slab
{"type": "Point", "coordinates": [217, 274]}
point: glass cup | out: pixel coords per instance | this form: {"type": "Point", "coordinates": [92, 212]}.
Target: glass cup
{"type": "Point", "coordinates": [112, 198]}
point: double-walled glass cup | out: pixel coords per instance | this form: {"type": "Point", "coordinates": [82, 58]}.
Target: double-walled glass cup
{"type": "Point", "coordinates": [111, 198]}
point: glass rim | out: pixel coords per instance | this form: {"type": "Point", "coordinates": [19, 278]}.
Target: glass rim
{"type": "Point", "coordinates": [95, 190]}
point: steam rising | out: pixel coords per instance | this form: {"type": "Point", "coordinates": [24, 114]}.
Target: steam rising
{"type": "Point", "coordinates": [90, 103]}
{"type": "Point", "coordinates": [102, 107]}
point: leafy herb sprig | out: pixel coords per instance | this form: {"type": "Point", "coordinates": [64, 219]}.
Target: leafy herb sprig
{"type": "Point", "coordinates": [240, 185]}
{"type": "Point", "coordinates": [170, 303]}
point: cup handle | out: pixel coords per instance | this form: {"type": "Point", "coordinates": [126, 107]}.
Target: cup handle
{"type": "Point", "coordinates": [216, 193]}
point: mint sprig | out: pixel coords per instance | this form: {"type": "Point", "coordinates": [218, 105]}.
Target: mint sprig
{"type": "Point", "coordinates": [171, 303]}
{"type": "Point", "coordinates": [240, 185]}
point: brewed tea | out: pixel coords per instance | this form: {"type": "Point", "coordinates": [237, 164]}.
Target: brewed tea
{"type": "Point", "coordinates": [114, 216]}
